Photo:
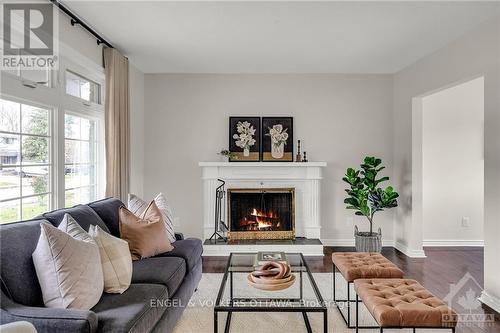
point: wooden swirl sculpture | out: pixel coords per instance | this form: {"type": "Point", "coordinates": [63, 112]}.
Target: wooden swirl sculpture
{"type": "Point", "coordinates": [272, 276]}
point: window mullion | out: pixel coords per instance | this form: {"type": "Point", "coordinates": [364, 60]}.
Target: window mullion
{"type": "Point", "coordinates": [60, 172]}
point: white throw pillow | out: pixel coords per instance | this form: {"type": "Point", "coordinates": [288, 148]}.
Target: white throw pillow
{"type": "Point", "coordinates": [137, 206]}
{"type": "Point", "coordinates": [68, 266]}
{"type": "Point", "coordinates": [115, 259]}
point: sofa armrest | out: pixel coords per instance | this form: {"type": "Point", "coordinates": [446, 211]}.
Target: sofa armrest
{"type": "Point", "coordinates": [179, 236]}
{"type": "Point", "coordinates": [48, 319]}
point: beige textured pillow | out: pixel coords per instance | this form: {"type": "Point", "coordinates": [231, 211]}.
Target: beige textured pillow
{"type": "Point", "coordinates": [68, 266]}
{"type": "Point", "coordinates": [137, 206]}
{"type": "Point", "coordinates": [115, 259]}
{"type": "Point", "coordinates": [146, 235]}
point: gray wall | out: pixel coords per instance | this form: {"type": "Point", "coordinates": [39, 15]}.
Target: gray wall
{"type": "Point", "coordinates": [339, 118]}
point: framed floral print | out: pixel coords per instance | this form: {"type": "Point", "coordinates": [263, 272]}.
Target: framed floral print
{"type": "Point", "coordinates": [277, 139]}
{"type": "Point", "coordinates": [244, 139]}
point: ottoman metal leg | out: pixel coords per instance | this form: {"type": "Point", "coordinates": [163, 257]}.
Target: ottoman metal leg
{"type": "Point", "coordinates": [348, 302]}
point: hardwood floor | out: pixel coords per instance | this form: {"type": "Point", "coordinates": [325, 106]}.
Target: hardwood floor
{"type": "Point", "coordinates": [441, 268]}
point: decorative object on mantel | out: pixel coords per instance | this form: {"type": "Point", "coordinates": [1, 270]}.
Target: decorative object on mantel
{"type": "Point", "coordinates": [298, 157]}
{"type": "Point", "coordinates": [227, 155]}
{"type": "Point", "coordinates": [272, 276]}
{"type": "Point", "coordinates": [244, 138]}
{"type": "Point", "coordinates": [304, 159]}
{"type": "Point", "coordinates": [366, 198]}
{"type": "Point", "coordinates": [219, 225]}
{"type": "Point", "coordinates": [277, 139]}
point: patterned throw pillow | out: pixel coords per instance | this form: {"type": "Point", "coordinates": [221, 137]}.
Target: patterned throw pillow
{"type": "Point", "coordinates": [137, 206]}
{"type": "Point", "coordinates": [68, 266]}
{"type": "Point", "coordinates": [146, 235]}
{"type": "Point", "coordinates": [115, 259]}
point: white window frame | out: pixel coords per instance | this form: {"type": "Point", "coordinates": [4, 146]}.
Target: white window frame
{"type": "Point", "coordinates": [51, 164]}
{"type": "Point", "coordinates": [99, 154]}
{"type": "Point", "coordinates": [54, 97]}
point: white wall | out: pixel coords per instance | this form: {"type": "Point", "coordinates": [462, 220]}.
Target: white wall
{"type": "Point", "coordinates": [79, 40]}
{"type": "Point", "coordinates": [453, 164]}
{"type": "Point", "coordinates": [475, 54]}
{"type": "Point", "coordinates": [339, 118]}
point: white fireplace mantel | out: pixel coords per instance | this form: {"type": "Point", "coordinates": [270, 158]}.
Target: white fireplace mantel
{"type": "Point", "coordinates": [303, 177]}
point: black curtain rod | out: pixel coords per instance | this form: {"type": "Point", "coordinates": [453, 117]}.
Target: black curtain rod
{"type": "Point", "coordinates": [76, 20]}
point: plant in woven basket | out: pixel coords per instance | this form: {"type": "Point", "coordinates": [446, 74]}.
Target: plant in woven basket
{"type": "Point", "coordinates": [364, 194]}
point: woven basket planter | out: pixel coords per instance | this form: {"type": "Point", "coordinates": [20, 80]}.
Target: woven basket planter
{"type": "Point", "coordinates": [368, 242]}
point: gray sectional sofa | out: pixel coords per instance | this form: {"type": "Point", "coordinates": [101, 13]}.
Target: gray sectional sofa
{"type": "Point", "coordinates": [161, 286]}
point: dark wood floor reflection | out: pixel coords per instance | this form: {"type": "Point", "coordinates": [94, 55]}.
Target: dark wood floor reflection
{"type": "Point", "coordinates": [441, 268]}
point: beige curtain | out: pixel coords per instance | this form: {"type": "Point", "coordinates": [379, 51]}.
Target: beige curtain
{"type": "Point", "coordinates": [117, 124]}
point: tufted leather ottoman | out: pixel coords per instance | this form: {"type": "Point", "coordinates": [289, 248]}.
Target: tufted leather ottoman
{"type": "Point", "coordinates": [365, 265]}
{"type": "Point", "coordinates": [404, 303]}
{"type": "Point", "coordinates": [357, 265]}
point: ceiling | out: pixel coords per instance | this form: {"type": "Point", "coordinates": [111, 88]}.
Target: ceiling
{"type": "Point", "coordinates": [280, 37]}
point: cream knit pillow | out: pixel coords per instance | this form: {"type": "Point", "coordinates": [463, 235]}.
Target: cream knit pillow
{"type": "Point", "coordinates": [115, 259]}
{"type": "Point", "coordinates": [137, 206]}
{"type": "Point", "coordinates": [68, 266]}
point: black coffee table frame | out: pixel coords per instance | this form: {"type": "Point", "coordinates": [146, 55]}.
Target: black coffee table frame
{"type": "Point", "coordinates": [230, 307]}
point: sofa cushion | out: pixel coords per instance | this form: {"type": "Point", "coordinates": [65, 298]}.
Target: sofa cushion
{"type": "Point", "coordinates": [146, 234]}
{"type": "Point", "coordinates": [189, 249]}
{"type": "Point", "coordinates": [169, 272]}
{"type": "Point", "coordinates": [115, 259]}
{"type": "Point", "coordinates": [138, 309]}
{"type": "Point", "coordinates": [19, 280]}
{"type": "Point", "coordinates": [83, 214]}
{"type": "Point", "coordinates": [137, 206]}
{"type": "Point", "coordinates": [107, 209]}
{"type": "Point", "coordinates": [68, 266]}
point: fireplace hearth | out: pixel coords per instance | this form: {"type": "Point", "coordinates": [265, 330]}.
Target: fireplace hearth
{"type": "Point", "coordinates": [261, 213]}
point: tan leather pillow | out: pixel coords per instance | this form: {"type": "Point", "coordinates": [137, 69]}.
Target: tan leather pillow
{"type": "Point", "coordinates": [146, 235]}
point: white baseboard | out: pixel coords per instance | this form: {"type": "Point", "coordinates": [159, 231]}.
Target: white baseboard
{"type": "Point", "coordinates": [453, 242]}
{"type": "Point", "coordinates": [410, 252]}
{"type": "Point", "coordinates": [490, 300]}
{"type": "Point", "coordinates": [350, 242]}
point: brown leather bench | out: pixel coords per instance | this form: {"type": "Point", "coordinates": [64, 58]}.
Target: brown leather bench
{"type": "Point", "coordinates": [360, 265]}
{"type": "Point", "coordinates": [403, 303]}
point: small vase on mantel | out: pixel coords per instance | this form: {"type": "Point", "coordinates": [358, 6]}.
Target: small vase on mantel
{"type": "Point", "coordinates": [224, 158]}
{"type": "Point", "coordinates": [278, 150]}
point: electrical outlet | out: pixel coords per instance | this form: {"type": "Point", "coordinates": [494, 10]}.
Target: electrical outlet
{"type": "Point", "coordinates": [177, 222]}
{"type": "Point", "coordinates": [465, 221]}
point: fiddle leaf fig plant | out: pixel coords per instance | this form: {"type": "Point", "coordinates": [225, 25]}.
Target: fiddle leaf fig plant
{"type": "Point", "coordinates": [364, 194]}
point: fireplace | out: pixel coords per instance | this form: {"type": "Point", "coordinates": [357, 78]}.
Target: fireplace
{"type": "Point", "coordinates": [261, 213]}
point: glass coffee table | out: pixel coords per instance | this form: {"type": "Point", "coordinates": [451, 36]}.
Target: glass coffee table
{"type": "Point", "coordinates": [236, 295]}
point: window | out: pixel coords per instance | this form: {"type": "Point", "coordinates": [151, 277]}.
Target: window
{"type": "Point", "coordinates": [80, 160]}
{"type": "Point", "coordinates": [25, 156]}
{"type": "Point", "coordinates": [41, 77]}
{"type": "Point", "coordinates": [51, 149]}
{"type": "Point", "coordinates": [78, 86]}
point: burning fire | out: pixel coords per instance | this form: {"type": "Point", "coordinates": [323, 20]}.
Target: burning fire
{"type": "Point", "coordinates": [264, 220]}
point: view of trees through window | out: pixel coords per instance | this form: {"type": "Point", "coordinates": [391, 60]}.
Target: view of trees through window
{"type": "Point", "coordinates": [25, 161]}
{"type": "Point", "coordinates": [80, 160]}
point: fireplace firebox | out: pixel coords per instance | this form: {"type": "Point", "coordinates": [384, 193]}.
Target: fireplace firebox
{"type": "Point", "coordinates": [261, 213]}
